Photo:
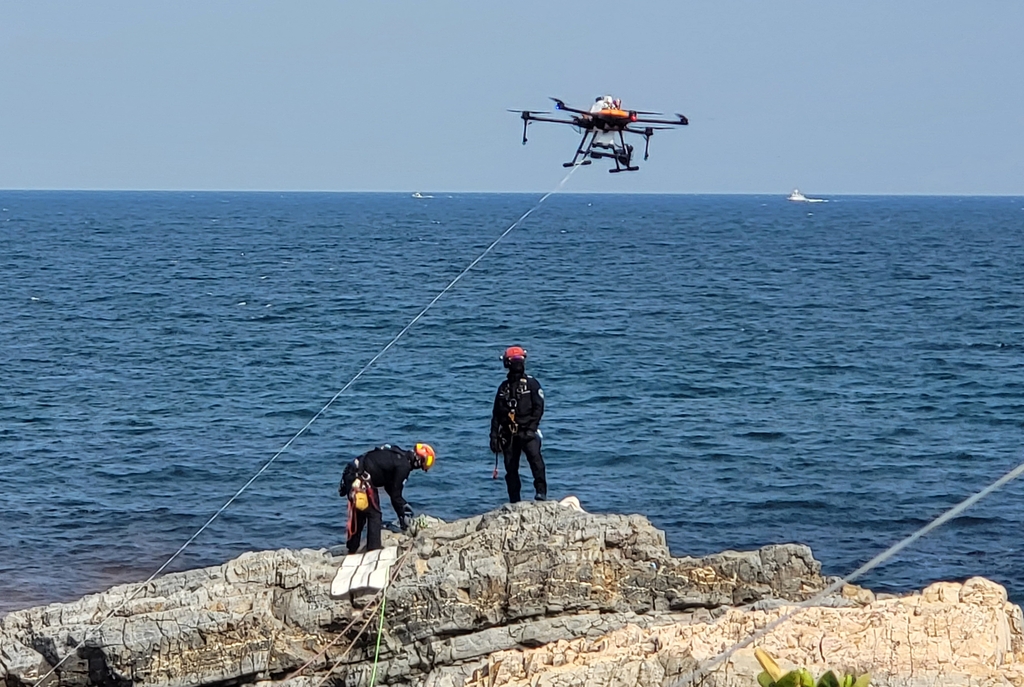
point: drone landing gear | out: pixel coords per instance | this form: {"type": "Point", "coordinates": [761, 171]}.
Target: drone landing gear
{"type": "Point", "coordinates": [576, 164]}
{"type": "Point", "coordinates": [623, 157]}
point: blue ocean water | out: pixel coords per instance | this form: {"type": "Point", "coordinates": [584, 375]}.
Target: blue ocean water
{"type": "Point", "coordinates": [741, 369]}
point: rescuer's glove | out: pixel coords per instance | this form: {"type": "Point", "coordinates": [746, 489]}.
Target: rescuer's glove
{"type": "Point", "coordinates": [406, 517]}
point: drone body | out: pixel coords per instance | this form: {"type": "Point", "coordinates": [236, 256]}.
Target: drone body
{"type": "Point", "coordinates": [604, 127]}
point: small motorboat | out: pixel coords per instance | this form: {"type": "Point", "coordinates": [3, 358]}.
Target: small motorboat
{"type": "Point", "coordinates": [420, 195]}
{"type": "Point", "coordinates": [798, 197]}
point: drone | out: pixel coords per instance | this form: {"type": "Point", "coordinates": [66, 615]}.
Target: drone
{"type": "Point", "coordinates": [605, 124]}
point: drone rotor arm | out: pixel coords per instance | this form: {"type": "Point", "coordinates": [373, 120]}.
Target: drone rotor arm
{"type": "Point", "coordinates": [530, 117]}
{"type": "Point", "coordinates": [560, 105]}
{"type": "Point", "coordinates": [682, 121]}
{"type": "Point", "coordinates": [648, 130]}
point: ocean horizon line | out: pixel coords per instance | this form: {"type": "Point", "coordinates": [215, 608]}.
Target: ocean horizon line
{"type": "Point", "coordinates": [733, 194]}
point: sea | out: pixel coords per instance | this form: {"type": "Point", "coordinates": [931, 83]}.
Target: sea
{"type": "Point", "coordinates": [742, 370]}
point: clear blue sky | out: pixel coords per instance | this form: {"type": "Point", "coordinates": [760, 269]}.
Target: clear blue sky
{"type": "Point", "coordinates": [852, 97]}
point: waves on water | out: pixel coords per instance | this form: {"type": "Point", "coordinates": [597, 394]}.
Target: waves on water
{"type": "Point", "coordinates": [740, 371]}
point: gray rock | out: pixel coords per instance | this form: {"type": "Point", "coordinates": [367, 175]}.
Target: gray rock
{"type": "Point", "coordinates": [521, 576]}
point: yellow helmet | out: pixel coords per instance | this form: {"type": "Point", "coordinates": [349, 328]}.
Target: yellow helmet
{"type": "Point", "coordinates": [425, 453]}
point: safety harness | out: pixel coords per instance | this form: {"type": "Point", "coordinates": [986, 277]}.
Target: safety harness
{"type": "Point", "coordinates": [511, 397]}
{"type": "Point", "coordinates": [362, 495]}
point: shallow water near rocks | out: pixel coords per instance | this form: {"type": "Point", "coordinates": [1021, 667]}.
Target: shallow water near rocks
{"type": "Point", "coordinates": [740, 369]}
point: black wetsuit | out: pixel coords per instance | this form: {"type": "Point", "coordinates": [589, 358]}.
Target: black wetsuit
{"type": "Point", "coordinates": [520, 395]}
{"type": "Point", "coordinates": [388, 467]}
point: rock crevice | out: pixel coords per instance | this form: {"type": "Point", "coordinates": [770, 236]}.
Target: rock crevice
{"type": "Point", "coordinates": [532, 593]}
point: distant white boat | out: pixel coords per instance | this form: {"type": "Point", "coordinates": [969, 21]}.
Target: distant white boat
{"type": "Point", "coordinates": [420, 195]}
{"type": "Point", "coordinates": [798, 197]}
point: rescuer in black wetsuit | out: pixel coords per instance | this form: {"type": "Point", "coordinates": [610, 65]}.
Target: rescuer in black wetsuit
{"type": "Point", "coordinates": [515, 424]}
{"type": "Point", "coordinates": [386, 467]}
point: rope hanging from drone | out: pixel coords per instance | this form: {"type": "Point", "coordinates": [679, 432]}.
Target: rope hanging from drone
{"type": "Point", "coordinates": [88, 632]}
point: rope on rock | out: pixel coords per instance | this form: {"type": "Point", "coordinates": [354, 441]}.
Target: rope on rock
{"type": "Point", "coordinates": [306, 426]}
{"type": "Point", "coordinates": [377, 598]}
{"type": "Point", "coordinates": [702, 670]}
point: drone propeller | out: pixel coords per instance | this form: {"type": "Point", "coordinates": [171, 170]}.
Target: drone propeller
{"type": "Point", "coordinates": [559, 104]}
{"type": "Point", "coordinates": [646, 112]}
{"type": "Point", "coordinates": [529, 112]}
{"type": "Point", "coordinates": [682, 119]}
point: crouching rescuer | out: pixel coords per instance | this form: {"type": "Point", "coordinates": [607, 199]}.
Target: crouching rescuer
{"type": "Point", "coordinates": [515, 424]}
{"type": "Point", "coordinates": [386, 467]}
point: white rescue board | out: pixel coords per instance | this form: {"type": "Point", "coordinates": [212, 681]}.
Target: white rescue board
{"type": "Point", "coordinates": [364, 572]}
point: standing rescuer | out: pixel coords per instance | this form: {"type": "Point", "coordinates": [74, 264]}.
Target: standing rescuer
{"type": "Point", "coordinates": [515, 424]}
{"type": "Point", "coordinates": [386, 467]}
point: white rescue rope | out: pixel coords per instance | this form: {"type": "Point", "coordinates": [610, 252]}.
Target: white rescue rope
{"type": "Point", "coordinates": [689, 678]}
{"type": "Point", "coordinates": [313, 419]}
{"type": "Point", "coordinates": [701, 670]}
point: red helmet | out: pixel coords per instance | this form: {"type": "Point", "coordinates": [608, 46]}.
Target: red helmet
{"type": "Point", "coordinates": [513, 353]}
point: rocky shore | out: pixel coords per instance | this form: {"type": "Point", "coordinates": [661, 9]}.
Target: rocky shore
{"type": "Point", "coordinates": [527, 595]}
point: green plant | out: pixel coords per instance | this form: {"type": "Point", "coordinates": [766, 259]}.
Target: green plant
{"type": "Point", "coordinates": [772, 676]}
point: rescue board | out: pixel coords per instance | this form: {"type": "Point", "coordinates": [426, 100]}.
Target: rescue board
{"type": "Point", "coordinates": [364, 572]}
